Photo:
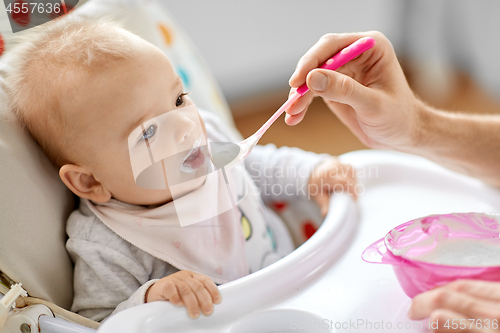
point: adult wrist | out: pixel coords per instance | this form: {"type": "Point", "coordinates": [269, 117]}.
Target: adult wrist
{"type": "Point", "coordinates": [421, 130]}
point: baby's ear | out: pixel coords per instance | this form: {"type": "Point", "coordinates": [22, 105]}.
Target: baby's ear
{"type": "Point", "coordinates": [82, 183]}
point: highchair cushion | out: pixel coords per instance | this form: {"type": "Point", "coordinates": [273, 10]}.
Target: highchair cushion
{"type": "Point", "coordinates": [34, 205]}
{"type": "Point", "coordinates": [34, 202]}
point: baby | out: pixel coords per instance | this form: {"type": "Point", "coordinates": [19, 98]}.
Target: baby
{"type": "Point", "coordinates": [89, 92]}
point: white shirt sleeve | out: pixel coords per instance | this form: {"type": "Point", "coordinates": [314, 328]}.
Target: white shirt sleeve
{"type": "Point", "coordinates": [282, 173]}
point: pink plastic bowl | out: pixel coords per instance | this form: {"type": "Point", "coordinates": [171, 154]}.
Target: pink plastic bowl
{"type": "Point", "coordinates": [416, 276]}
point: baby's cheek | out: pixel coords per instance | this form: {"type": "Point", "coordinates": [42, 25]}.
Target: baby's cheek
{"type": "Point", "coordinates": [116, 173]}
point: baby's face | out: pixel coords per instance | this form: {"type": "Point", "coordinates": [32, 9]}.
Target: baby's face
{"type": "Point", "coordinates": [131, 104]}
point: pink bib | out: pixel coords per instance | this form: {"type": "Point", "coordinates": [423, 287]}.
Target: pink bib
{"type": "Point", "coordinates": [214, 247]}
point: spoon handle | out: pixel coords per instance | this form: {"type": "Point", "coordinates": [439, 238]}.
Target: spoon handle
{"type": "Point", "coordinates": [277, 114]}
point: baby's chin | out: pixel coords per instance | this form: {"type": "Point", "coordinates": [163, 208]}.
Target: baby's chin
{"type": "Point", "coordinates": [148, 197]}
{"type": "Point", "coordinates": [188, 187]}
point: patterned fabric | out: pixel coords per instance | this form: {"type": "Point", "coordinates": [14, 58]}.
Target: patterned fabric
{"type": "Point", "coordinates": [302, 218]}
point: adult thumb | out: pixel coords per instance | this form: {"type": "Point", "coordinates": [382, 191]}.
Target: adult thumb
{"type": "Point", "coordinates": [340, 88]}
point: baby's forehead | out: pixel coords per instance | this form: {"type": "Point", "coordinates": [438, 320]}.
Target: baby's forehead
{"type": "Point", "coordinates": [93, 90]}
{"type": "Point", "coordinates": [59, 60]}
{"type": "Point", "coordinates": [118, 97]}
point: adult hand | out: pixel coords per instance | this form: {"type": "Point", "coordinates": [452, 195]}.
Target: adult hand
{"type": "Point", "coordinates": [466, 305]}
{"type": "Point", "coordinates": [369, 94]}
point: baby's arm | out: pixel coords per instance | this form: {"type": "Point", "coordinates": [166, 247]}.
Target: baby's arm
{"type": "Point", "coordinates": [282, 173]}
{"type": "Point", "coordinates": [106, 280]}
{"type": "Point", "coordinates": [110, 274]}
{"type": "Point", "coordinates": [291, 173]}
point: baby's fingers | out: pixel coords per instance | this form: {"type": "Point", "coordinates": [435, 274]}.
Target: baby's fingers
{"type": "Point", "coordinates": [348, 185]}
{"type": "Point", "coordinates": [210, 286]}
{"type": "Point", "coordinates": [170, 293]}
{"type": "Point", "coordinates": [323, 201]}
{"type": "Point", "coordinates": [204, 300]}
{"type": "Point", "coordinates": [189, 298]}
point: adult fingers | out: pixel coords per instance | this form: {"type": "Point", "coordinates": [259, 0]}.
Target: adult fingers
{"type": "Point", "coordinates": [327, 46]}
{"type": "Point", "coordinates": [343, 89]}
{"type": "Point", "coordinates": [487, 290]}
{"type": "Point", "coordinates": [348, 117]}
{"type": "Point", "coordinates": [444, 320]}
{"type": "Point", "coordinates": [294, 120]}
{"type": "Point", "coordinates": [442, 298]}
{"type": "Point", "coordinates": [301, 104]}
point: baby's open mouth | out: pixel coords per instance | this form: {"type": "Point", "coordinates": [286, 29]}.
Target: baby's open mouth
{"type": "Point", "coordinates": [194, 158]}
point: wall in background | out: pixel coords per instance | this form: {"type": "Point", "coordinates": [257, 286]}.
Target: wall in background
{"type": "Point", "coordinates": [253, 46]}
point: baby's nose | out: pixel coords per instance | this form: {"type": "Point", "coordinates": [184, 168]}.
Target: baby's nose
{"type": "Point", "coordinates": [186, 126]}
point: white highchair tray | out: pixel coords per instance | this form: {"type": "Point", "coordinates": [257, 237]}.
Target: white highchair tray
{"type": "Point", "coordinates": [324, 285]}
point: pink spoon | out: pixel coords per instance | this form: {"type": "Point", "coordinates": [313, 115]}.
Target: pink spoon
{"type": "Point", "coordinates": [224, 157]}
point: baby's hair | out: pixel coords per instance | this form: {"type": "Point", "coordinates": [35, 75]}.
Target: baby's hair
{"type": "Point", "coordinates": [48, 58]}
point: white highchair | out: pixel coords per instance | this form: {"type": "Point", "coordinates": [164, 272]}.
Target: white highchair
{"type": "Point", "coordinates": [322, 286]}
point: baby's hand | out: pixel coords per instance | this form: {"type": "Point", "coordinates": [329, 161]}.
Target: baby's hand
{"type": "Point", "coordinates": [328, 177]}
{"type": "Point", "coordinates": [186, 288]}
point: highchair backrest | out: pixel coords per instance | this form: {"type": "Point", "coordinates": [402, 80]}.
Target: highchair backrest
{"type": "Point", "coordinates": [34, 203]}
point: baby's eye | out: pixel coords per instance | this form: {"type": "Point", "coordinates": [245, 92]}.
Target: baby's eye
{"type": "Point", "coordinates": [180, 99]}
{"type": "Point", "coordinates": [149, 132]}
